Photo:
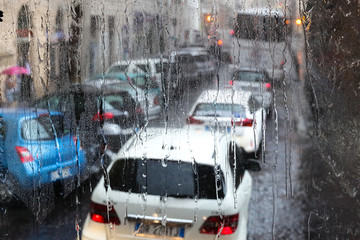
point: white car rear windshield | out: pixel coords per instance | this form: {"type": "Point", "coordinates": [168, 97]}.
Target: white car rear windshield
{"type": "Point", "coordinates": [219, 110]}
{"type": "Point", "coordinates": [248, 76]}
{"type": "Point", "coordinates": [169, 178]}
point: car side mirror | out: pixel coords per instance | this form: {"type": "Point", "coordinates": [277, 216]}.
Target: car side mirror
{"type": "Point", "coordinates": [252, 165]}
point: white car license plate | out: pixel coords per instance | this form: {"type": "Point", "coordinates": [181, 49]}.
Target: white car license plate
{"type": "Point", "coordinates": [55, 175]}
{"type": "Point", "coordinates": [223, 129]}
{"type": "Point", "coordinates": [159, 230]}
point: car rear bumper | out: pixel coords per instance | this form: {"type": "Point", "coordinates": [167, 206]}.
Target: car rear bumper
{"type": "Point", "coordinates": [153, 112]}
{"type": "Point", "coordinates": [93, 230]}
{"type": "Point", "coordinates": [248, 142]}
{"type": "Point", "coordinates": [100, 231]}
{"type": "Point", "coordinates": [33, 175]}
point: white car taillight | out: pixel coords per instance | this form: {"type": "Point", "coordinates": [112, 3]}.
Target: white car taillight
{"type": "Point", "coordinates": [102, 214]}
{"type": "Point", "coordinates": [192, 120]}
{"type": "Point", "coordinates": [103, 116]}
{"type": "Point", "coordinates": [242, 123]}
{"type": "Point", "coordinates": [222, 225]}
{"type": "Point", "coordinates": [156, 100]}
{"type": "Point", "coordinates": [139, 110]}
{"type": "Point", "coordinates": [268, 86]}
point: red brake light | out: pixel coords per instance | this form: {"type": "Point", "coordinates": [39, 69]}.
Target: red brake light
{"type": "Point", "coordinates": [139, 110]}
{"type": "Point", "coordinates": [101, 214]}
{"type": "Point", "coordinates": [156, 100]}
{"type": "Point", "coordinates": [75, 139]}
{"type": "Point", "coordinates": [97, 218]}
{"type": "Point", "coordinates": [227, 231]}
{"type": "Point", "coordinates": [192, 120]}
{"type": "Point", "coordinates": [217, 225]}
{"type": "Point", "coordinates": [231, 82]}
{"type": "Point", "coordinates": [102, 117]}
{"type": "Point", "coordinates": [232, 32]}
{"type": "Point", "coordinates": [24, 154]}
{"type": "Point", "coordinates": [244, 123]}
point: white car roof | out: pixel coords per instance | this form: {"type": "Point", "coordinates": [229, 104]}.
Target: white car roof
{"type": "Point", "coordinates": [140, 61]}
{"type": "Point", "coordinates": [224, 96]}
{"type": "Point", "coordinates": [183, 144]}
{"type": "Point", "coordinates": [261, 11]}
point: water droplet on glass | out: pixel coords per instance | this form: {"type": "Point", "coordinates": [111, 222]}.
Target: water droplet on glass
{"type": "Point", "coordinates": [164, 161]}
{"type": "Point", "coordinates": [144, 196]}
{"type": "Point", "coordinates": [163, 220]}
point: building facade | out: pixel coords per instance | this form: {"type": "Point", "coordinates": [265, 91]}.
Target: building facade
{"type": "Point", "coordinates": [66, 41]}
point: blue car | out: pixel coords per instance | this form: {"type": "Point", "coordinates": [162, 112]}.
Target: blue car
{"type": "Point", "coordinates": [36, 149]}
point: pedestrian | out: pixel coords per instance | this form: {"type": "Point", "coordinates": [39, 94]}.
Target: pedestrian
{"type": "Point", "coordinates": [11, 88]}
{"type": "Point", "coordinates": [26, 83]}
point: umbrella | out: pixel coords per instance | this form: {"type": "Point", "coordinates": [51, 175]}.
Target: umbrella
{"type": "Point", "coordinates": [15, 70]}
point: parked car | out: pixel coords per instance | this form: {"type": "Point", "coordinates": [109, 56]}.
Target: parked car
{"type": "Point", "coordinates": [232, 112]}
{"type": "Point", "coordinates": [37, 149]}
{"type": "Point", "coordinates": [99, 116]}
{"type": "Point", "coordinates": [145, 91]}
{"type": "Point", "coordinates": [257, 82]}
{"type": "Point", "coordinates": [183, 70]}
{"type": "Point", "coordinates": [190, 66]}
{"type": "Point", "coordinates": [205, 63]}
{"type": "Point", "coordinates": [134, 78]}
{"type": "Point", "coordinates": [156, 68]}
{"type": "Point", "coordinates": [173, 184]}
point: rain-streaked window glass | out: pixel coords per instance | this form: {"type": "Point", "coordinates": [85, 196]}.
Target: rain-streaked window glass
{"type": "Point", "coordinates": [108, 130]}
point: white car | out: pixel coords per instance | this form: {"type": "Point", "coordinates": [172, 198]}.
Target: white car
{"type": "Point", "coordinates": [173, 184]}
{"type": "Point", "coordinates": [194, 62]}
{"type": "Point", "coordinates": [144, 91]}
{"type": "Point", "coordinates": [154, 67]}
{"type": "Point", "coordinates": [204, 62]}
{"type": "Point", "coordinates": [232, 112]}
{"type": "Point", "coordinates": [255, 81]}
{"type": "Point", "coordinates": [150, 100]}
